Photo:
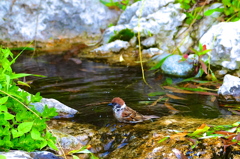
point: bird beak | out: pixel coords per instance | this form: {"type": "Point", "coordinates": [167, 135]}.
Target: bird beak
{"type": "Point", "coordinates": [110, 104]}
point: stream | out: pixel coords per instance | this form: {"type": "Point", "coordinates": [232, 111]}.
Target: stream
{"type": "Point", "coordinates": [88, 86]}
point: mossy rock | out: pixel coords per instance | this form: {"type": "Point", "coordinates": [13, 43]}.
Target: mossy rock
{"type": "Point", "coordinates": [125, 35]}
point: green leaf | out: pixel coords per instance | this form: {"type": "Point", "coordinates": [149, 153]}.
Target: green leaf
{"type": "Point", "coordinates": [211, 11]}
{"type": "Point", "coordinates": [199, 131]}
{"type": "Point", "coordinates": [8, 116]}
{"type": "Point", "coordinates": [15, 133]}
{"type": "Point", "coordinates": [93, 156]}
{"type": "Point", "coordinates": [36, 135]}
{"type": "Point", "coordinates": [3, 108]}
{"type": "Point", "coordinates": [236, 124]}
{"type": "Point", "coordinates": [52, 144]}
{"type": "Point", "coordinates": [3, 157]}
{"type": "Point", "coordinates": [23, 83]}
{"type": "Point", "coordinates": [23, 48]}
{"type": "Point", "coordinates": [78, 150]}
{"type": "Point", "coordinates": [156, 94]}
{"type": "Point", "coordinates": [169, 81]}
{"type": "Point", "coordinates": [159, 64]}
{"type": "Point", "coordinates": [3, 100]}
{"type": "Point", "coordinates": [19, 75]}
{"type": "Point", "coordinates": [49, 112]}
{"type": "Point", "coordinates": [25, 127]}
{"type": "Point", "coordinates": [43, 144]}
{"type": "Point", "coordinates": [163, 139]}
{"type": "Point", "coordinates": [7, 81]}
{"type": "Point", "coordinates": [75, 157]}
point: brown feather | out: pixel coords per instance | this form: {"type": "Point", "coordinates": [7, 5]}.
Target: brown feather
{"type": "Point", "coordinates": [128, 115]}
{"type": "Point", "coordinates": [118, 100]}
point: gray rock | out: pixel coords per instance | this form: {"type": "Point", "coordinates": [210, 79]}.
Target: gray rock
{"type": "Point", "coordinates": [224, 41]}
{"type": "Point", "coordinates": [160, 18]}
{"type": "Point", "coordinates": [44, 155]}
{"type": "Point", "coordinates": [230, 89]}
{"type": "Point", "coordinates": [16, 154]}
{"type": "Point", "coordinates": [53, 19]}
{"type": "Point", "coordinates": [63, 110]}
{"type": "Point", "coordinates": [186, 36]}
{"type": "Point", "coordinates": [175, 66]}
{"type": "Point", "coordinates": [149, 41]}
{"type": "Point", "coordinates": [114, 46]}
{"type": "Point", "coordinates": [151, 52]}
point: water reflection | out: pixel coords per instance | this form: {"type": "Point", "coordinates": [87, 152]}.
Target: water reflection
{"type": "Point", "coordinates": [87, 86]}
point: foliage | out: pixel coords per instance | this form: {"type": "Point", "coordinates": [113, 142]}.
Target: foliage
{"type": "Point", "coordinates": [83, 149]}
{"type": "Point", "coordinates": [119, 5]}
{"type": "Point", "coordinates": [229, 134]}
{"type": "Point", "coordinates": [23, 48]}
{"type": "Point", "coordinates": [159, 64]}
{"type": "Point", "coordinates": [125, 35]}
{"type": "Point", "coordinates": [230, 10]}
{"type": "Point", "coordinates": [192, 13]}
{"type": "Point", "coordinates": [21, 127]}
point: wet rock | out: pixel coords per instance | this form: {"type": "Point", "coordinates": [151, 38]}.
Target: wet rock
{"type": "Point", "coordinates": [175, 65]}
{"type": "Point", "coordinates": [16, 154]}
{"type": "Point", "coordinates": [44, 155]}
{"type": "Point", "coordinates": [63, 110]}
{"type": "Point", "coordinates": [114, 46]}
{"type": "Point", "coordinates": [230, 89]}
{"type": "Point", "coordinates": [72, 136]}
{"type": "Point", "coordinates": [223, 40]}
{"type": "Point", "coordinates": [138, 140]}
{"type": "Point", "coordinates": [53, 20]}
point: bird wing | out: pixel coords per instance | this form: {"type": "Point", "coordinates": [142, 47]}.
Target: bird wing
{"type": "Point", "coordinates": [131, 116]}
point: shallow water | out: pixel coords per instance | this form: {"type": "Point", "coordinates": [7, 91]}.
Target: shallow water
{"type": "Point", "coordinates": [89, 86]}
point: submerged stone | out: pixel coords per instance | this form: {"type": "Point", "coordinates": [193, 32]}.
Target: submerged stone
{"type": "Point", "coordinates": [175, 65]}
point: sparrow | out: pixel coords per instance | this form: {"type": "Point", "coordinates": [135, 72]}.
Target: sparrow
{"type": "Point", "coordinates": [125, 114]}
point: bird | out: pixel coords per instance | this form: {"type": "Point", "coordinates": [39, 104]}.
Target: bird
{"type": "Point", "coordinates": [125, 114]}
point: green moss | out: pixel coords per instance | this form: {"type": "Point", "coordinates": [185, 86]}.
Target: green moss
{"type": "Point", "coordinates": [125, 35]}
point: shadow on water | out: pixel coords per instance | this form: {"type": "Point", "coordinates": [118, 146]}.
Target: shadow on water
{"type": "Point", "coordinates": [88, 86]}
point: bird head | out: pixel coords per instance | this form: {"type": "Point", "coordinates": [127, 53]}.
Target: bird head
{"type": "Point", "coordinates": [117, 103]}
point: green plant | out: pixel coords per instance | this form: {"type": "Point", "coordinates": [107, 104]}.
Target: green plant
{"type": "Point", "coordinates": [228, 134]}
{"type": "Point", "coordinates": [125, 35]}
{"type": "Point", "coordinates": [21, 127]}
{"type": "Point", "coordinates": [119, 5]}
{"type": "Point", "coordinates": [231, 10]}
{"type": "Point", "coordinates": [202, 50]}
{"type": "Point", "coordinates": [192, 13]}
{"type": "Point", "coordinates": [82, 150]}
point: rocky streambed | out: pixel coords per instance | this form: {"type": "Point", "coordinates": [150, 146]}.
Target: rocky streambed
{"type": "Point", "coordinates": [119, 140]}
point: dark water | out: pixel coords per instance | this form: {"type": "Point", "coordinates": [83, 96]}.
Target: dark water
{"type": "Point", "coordinates": [89, 86]}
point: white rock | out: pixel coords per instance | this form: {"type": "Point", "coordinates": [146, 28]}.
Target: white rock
{"type": "Point", "coordinates": [149, 41]}
{"type": "Point", "coordinates": [16, 154]}
{"type": "Point", "coordinates": [53, 19]}
{"type": "Point", "coordinates": [151, 51]}
{"type": "Point", "coordinates": [61, 108]}
{"type": "Point", "coordinates": [114, 46]}
{"type": "Point", "coordinates": [158, 18]}
{"type": "Point", "coordinates": [224, 40]}
{"type": "Point", "coordinates": [230, 89]}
